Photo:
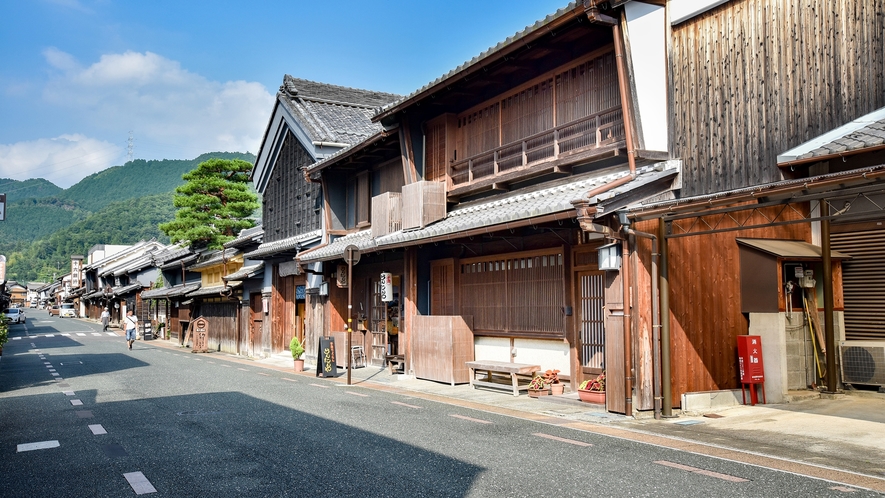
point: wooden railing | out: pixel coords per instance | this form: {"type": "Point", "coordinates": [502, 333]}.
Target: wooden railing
{"type": "Point", "coordinates": [594, 131]}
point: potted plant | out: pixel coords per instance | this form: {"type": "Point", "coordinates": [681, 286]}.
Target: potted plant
{"type": "Point", "coordinates": [297, 350]}
{"type": "Point", "coordinates": [538, 387]}
{"type": "Point", "coordinates": [593, 390]}
{"type": "Point", "coordinates": [551, 377]}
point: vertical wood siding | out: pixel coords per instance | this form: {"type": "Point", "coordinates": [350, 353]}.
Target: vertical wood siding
{"type": "Point", "coordinates": [291, 204]}
{"type": "Point", "coordinates": [754, 78]}
{"type": "Point", "coordinates": [705, 305]}
{"type": "Point", "coordinates": [223, 327]}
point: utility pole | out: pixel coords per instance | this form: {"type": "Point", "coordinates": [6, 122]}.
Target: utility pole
{"type": "Point", "coordinates": [130, 147]}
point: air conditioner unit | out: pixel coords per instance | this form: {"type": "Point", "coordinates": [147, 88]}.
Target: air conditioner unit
{"type": "Point", "coordinates": [863, 362]}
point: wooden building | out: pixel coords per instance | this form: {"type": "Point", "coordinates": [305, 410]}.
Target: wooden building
{"type": "Point", "coordinates": [167, 304]}
{"type": "Point", "coordinates": [469, 200]}
{"type": "Point", "coordinates": [309, 122]}
{"type": "Point", "coordinates": [217, 300]}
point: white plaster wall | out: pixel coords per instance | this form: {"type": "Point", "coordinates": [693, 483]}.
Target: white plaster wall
{"type": "Point", "coordinates": [549, 354]}
{"type": "Point", "coordinates": [646, 26]}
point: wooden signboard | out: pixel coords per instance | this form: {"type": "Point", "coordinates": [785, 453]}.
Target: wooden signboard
{"type": "Point", "coordinates": [326, 366]}
{"type": "Point", "coordinates": [201, 335]}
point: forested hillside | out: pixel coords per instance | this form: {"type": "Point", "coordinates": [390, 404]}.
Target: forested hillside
{"type": "Point", "coordinates": [45, 225]}
{"type": "Point", "coordinates": [136, 179]}
{"type": "Point", "coordinates": [124, 222]}
{"type": "Point", "coordinates": [34, 188]}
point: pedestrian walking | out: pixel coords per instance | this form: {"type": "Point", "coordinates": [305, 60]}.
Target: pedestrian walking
{"type": "Point", "coordinates": [105, 317]}
{"type": "Point", "coordinates": [130, 323]}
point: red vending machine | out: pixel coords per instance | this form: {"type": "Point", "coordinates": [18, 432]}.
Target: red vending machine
{"type": "Point", "coordinates": [752, 370]}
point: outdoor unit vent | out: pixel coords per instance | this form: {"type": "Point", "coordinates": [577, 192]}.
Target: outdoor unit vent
{"type": "Point", "coordinates": [863, 362]}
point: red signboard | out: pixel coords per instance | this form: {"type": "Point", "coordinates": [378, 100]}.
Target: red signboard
{"type": "Point", "coordinates": [750, 359]}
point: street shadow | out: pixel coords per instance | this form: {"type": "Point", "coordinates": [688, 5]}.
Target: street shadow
{"type": "Point", "coordinates": [233, 444]}
{"type": "Point", "coordinates": [18, 370]}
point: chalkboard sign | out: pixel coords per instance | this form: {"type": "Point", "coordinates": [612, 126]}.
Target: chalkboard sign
{"type": "Point", "coordinates": [326, 366]}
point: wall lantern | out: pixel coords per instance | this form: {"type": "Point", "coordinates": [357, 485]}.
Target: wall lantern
{"type": "Point", "coordinates": [610, 256]}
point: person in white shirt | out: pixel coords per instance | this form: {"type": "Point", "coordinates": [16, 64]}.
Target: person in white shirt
{"type": "Point", "coordinates": [105, 317]}
{"type": "Point", "coordinates": [130, 323]}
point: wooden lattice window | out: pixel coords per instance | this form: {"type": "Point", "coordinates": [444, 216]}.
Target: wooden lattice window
{"type": "Point", "coordinates": [358, 200]}
{"type": "Point", "coordinates": [527, 112]}
{"type": "Point", "coordinates": [518, 294]}
{"type": "Point", "coordinates": [435, 160]}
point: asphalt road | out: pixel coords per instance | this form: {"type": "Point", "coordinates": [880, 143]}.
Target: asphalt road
{"type": "Point", "coordinates": [81, 415]}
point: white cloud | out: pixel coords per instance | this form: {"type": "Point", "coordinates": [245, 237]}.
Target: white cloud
{"type": "Point", "coordinates": [63, 160]}
{"type": "Point", "coordinates": [173, 112]}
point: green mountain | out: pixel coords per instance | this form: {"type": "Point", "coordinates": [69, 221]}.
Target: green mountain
{"type": "Point", "coordinates": [120, 205]}
{"type": "Point", "coordinates": [34, 188]}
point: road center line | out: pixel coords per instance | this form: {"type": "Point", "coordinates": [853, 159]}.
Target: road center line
{"type": "Point", "coordinates": [462, 417]}
{"type": "Point", "coordinates": [42, 445]}
{"type": "Point", "coordinates": [561, 439]}
{"type": "Point", "coordinates": [709, 473]}
{"type": "Point", "coordinates": [139, 483]}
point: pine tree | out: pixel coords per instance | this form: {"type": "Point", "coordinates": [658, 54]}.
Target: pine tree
{"type": "Point", "coordinates": [214, 205]}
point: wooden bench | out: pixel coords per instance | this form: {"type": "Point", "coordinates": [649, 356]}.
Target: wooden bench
{"type": "Point", "coordinates": [516, 372]}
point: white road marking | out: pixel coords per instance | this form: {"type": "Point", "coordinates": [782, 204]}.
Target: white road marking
{"type": "Point", "coordinates": [42, 445]}
{"type": "Point", "coordinates": [111, 334]}
{"type": "Point", "coordinates": [66, 334]}
{"type": "Point", "coordinates": [561, 439]}
{"type": "Point", "coordinates": [76, 402]}
{"type": "Point", "coordinates": [96, 334]}
{"type": "Point", "coordinates": [47, 363]}
{"type": "Point", "coordinates": [16, 338]}
{"type": "Point", "coordinates": [709, 473]}
{"type": "Point", "coordinates": [357, 394]}
{"type": "Point", "coordinates": [406, 405]}
{"type": "Point", "coordinates": [97, 429]}
{"type": "Point", "coordinates": [55, 374]}
{"type": "Point", "coordinates": [81, 334]}
{"type": "Point", "coordinates": [68, 393]}
{"type": "Point", "coordinates": [462, 417]}
{"type": "Point", "coordinates": [139, 483]}
{"type": "Point", "coordinates": [49, 335]}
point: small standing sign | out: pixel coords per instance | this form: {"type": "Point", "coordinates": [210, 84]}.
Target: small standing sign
{"type": "Point", "coordinates": [326, 366]}
{"type": "Point", "coordinates": [201, 336]}
{"type": "Point", "coordinates": [752, 370]}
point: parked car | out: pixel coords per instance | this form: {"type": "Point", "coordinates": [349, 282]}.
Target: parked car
{"type": "Point", "coordinates": [15, 315]}
{"type": "Point", "coordinates": [66, 310]}
{"type": "Point", "coordinates": [53, 310]}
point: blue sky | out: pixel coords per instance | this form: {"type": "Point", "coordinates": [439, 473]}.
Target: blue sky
{"type": "Point", "coordinates": [193, 76]}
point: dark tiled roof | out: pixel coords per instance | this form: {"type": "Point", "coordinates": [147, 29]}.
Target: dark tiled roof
{"type": "Point", "coordinates": [331, 113]}
{"type": "Point", "coordinates": [214, 290]}
{"type": "Point", "coordinates": [289, 244]}
{"type": "Point", "coordinates": [174, 291]}
{"type": "Point", "coordinates": [248, 236]}
{"type": "Point", "coordinates": [862, 133]}
{"type": "Point", "coordinates": [214, 258]}
{"type": "Point", "coordinates": [246, 272]}
{"type": "Point", "coordinates": [519, 205]}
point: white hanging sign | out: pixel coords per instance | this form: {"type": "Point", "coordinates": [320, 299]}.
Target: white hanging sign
{"type": "Point", "coordinates": [386, 287]}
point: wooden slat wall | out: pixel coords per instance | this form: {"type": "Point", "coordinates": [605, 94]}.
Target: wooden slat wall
{"type": "Point", "coordinates": [282, 311]}
{"type": "Point", "coordinates": [516, 293]}
{"type": "Point", "coordinates": [223, 327]}
{"type": "Point", "coordinates": [753, 78]}
{"type": "Point", "coordinates": [440, 347]}
{"type": "Point", "coordinates": [705, 314]}
{"type": "Point", "coordinates": [291, 204]}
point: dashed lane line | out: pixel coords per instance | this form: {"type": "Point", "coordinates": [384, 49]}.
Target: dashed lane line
{"type": "Point", "coordinates": [709, 473]}
{"type": "Point", "coordinates": [406, 405]}
{"type": "Point", "coordinates": [139, 483]}
{"type": "Point", "coordinates": [42, 445]}
{"type": "Point", "coordinates": [471, 419]}
{"type": "Point", "coordinates": [97, 429]}
{"type": "Point", "coordinates": [562, 439]}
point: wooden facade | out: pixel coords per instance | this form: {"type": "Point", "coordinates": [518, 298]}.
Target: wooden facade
{"type": "Point", "coordinates": [751, 79]}
{"type": "Point", "coordinates": [282, 217]}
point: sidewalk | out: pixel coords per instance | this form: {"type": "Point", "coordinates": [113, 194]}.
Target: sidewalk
{"type": "Point", "coordinates": [840, 438]}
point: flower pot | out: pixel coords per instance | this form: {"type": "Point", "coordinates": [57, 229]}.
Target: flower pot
{"type": "Point", "coordinates": [537, 393]}
{"type": "Point", "coordinates": [299, 365]}
{"type": "Point", "coordinates": [557, 389]}
{"type": "Point", "coordinates": [586, 396]}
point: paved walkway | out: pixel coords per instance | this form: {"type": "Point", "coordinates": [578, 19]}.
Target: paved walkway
{"type": "Point", "coordinates": [841, 438]}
